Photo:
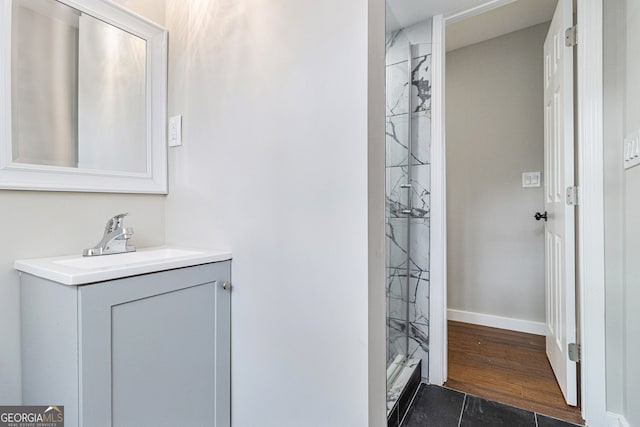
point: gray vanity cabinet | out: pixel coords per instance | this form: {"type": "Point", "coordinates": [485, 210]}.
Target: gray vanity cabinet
{"type": "Point", "coordinates": [147, 350]}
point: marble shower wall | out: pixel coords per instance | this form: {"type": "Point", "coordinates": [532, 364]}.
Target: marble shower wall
{"type": "Point", "coordinates": [408, 110]}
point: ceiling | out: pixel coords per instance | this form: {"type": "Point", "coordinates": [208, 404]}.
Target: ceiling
{"type": "Point", "coordinates": [513, 16]}
{"type": "Point", "coordinates": [497, 22]}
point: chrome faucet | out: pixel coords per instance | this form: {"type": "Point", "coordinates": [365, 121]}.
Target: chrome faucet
{"type": "Point", "coordinates": [115, 239]}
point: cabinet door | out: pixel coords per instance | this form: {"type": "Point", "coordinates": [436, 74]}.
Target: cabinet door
{"type": "Point", "coordinates": [155, 349]}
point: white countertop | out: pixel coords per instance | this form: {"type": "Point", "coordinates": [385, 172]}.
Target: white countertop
{"type": "Point", "coordinates": [79, 270]}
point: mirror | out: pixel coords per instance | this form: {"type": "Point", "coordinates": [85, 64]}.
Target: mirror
{"type": "Point", "coordinates": [86, 109]}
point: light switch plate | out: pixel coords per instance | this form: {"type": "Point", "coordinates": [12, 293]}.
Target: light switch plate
{"type": "Point", "coordinates": [175, 131]}
{"type": "Point", "coordinates": [631, 150]}
{"type": "Point", "coordinates": [530, 179]}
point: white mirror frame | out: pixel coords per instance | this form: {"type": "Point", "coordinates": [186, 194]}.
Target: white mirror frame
{"type": "Point", "coordinates": [20, 176]}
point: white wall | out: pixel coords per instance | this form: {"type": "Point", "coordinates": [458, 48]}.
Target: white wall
{"type": "Point", "coordinates": [38, 224]}
{"type": "Point", "coordinates": [632, 224]}
{"type": "Point", "coordinates": [622, 209]}
{"type": "Point", "coordinates": [495, 133]}
{"type": "Point", "coordinates": [274, 166]}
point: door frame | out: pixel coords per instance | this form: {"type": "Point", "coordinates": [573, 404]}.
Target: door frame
{"type": "Point", "coordinates": [590, 212]}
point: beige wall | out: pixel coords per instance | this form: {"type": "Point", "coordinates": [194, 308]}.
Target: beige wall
{"type": "Point", "coordinates": [494, 129]}
{"type": "Point", "coordinates": [155, 10]}
{"type": "Point", "coordinates": [38, 224]}
{"type": "Point", "coordinates": [614, 83]}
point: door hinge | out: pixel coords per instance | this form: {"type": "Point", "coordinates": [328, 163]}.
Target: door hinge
{"type": "Point", "coordinates": [571, 36]}
{"type": "Point", "coordinates": [574, 352]}
{"type": "Point", "coordinates": [572, 196]}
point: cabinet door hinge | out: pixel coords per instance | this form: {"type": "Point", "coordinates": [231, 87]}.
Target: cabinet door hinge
{"type": "Point", "coordinates": [571, 36]}
{"type": "Point", "coordinates": [572, 196]}
{"type": "Point", "coordinates": [574, 352]}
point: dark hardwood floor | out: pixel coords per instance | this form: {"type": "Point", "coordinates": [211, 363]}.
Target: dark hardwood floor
{"type": "Point", "coordinates": [505, 366]}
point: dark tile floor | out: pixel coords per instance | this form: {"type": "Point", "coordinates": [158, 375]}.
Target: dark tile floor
{"type": "Point", "coordinates": [436, 406]}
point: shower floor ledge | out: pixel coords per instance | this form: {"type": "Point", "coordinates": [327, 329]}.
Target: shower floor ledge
{"type": "Point", "coordinates": [400, 382]}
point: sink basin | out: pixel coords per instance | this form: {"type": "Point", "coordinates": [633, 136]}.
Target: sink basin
{"type": "Point", "coordinates": [111, 261]}
{"type": "Point", "coordinates": [79, 270]}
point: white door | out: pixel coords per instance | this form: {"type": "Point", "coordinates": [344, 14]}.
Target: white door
{"type": "Point", "coordinates": [559, 173]}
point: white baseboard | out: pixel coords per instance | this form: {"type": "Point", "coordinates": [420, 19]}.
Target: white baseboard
{"type": "Point", "coordinates": [616, 420]}
{"type": "Point", "coordinates": [511, 324]}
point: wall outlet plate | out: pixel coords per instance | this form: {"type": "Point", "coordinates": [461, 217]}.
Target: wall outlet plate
{"type": "Point", "coordinates": [631, 150]}
{"type": "Point", "coordinates": [175, 131]}
{"type": "Point", "coordinates": [531, 179]}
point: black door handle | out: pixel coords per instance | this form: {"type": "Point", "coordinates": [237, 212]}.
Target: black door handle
{"type": "Point", "coordinates": [538, 216]}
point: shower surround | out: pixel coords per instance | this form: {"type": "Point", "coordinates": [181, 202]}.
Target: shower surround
{"type": "Point", "coordinates": [408, 172]}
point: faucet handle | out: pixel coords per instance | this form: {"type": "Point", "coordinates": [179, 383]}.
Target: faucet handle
{"type": "Point", "coordinates": [115, 223]}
